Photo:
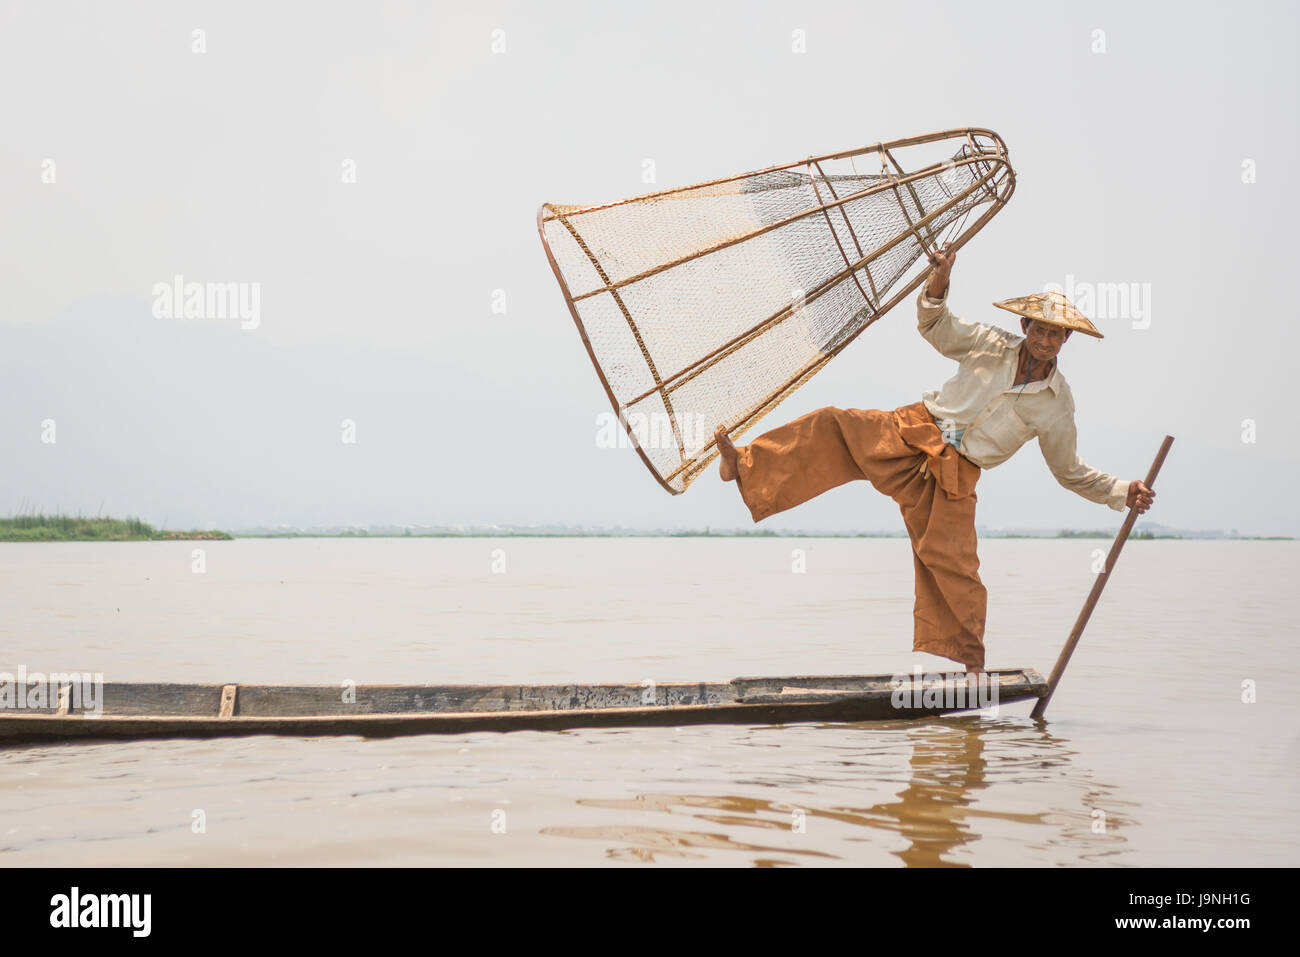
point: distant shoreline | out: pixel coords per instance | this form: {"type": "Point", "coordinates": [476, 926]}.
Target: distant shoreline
{"type": "Point", "coordinates": [631, 533]}
{"type": "Point", "coordinates": [64, 528]}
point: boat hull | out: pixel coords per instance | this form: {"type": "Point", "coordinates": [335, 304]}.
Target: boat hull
{"type": "Point", "coordinates": [145, 711]}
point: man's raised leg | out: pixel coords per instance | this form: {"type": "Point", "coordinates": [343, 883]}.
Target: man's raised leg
{"type": "Point", "coordinates": [800, 460]}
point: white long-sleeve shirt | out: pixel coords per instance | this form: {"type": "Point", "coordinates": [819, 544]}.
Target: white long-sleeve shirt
{"type": "Point", "coordinates": [999, 417]}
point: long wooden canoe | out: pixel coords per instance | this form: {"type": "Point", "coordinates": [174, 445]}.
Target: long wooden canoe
{"type": "Point", "coordinates": [139, 711]}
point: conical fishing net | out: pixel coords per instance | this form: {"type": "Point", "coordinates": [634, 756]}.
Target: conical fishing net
{"type": "Point", "coordinates": [709, 304]}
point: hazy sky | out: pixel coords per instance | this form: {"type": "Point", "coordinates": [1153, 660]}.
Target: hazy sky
{"type": "Point", "coordinates": [128, 158]}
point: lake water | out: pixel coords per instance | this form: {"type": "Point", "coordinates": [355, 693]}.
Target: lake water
{"type": "Point", "coordinates": [1148, 756]}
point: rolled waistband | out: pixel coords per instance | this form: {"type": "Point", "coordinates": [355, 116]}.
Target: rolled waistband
{"type": "Point", "coordinates": [918, 428]}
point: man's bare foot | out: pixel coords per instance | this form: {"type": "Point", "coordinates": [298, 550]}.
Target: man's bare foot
{"type": "Point", "coordinates": [727, 455]}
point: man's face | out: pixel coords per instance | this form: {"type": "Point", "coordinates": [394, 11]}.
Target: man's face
{"type": "Point", "coordinates": [1042, 339]}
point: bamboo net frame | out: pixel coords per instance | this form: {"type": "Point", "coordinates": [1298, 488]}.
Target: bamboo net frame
{"type": "Point", "coordinates": [709, 304]}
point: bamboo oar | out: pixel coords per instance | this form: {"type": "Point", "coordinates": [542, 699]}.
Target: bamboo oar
{"type": "Point", "coordinates": [1077, 632]}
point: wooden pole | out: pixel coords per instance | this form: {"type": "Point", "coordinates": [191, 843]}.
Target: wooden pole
{"type": "Point", "coordinates": [1077, 632]}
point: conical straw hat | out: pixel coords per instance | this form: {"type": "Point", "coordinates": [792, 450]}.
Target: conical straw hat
{"type": "Point", "coordinates": [1051, 307]}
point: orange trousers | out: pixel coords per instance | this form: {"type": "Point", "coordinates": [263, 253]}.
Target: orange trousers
{"type": "Point", "coordinates": [902, 454]}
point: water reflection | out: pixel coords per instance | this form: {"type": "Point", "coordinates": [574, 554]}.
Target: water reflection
{"type": "Point", "coordinates": [964, 778]}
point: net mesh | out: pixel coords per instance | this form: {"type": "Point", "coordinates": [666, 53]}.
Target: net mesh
{"type": "Point", "coordinates": [708, 305]}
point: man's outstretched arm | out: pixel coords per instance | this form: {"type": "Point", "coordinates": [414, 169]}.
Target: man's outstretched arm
{"type": "Point", "coordinates": [1059, 445]}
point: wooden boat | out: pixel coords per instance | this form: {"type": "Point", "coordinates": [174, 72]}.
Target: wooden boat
{"type": "Point", "coordinates": [140, 711]}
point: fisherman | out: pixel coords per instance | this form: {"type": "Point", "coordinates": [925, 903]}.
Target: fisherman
{"type": "Point", "coordinates": [927, 456]}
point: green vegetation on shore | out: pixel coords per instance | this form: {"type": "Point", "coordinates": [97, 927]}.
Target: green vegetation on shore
{"type": "Point", "coordinates": [1073, 533]}
{"type": "Point", "coordinates": [68, 528]}
{"type": "Point", "coordinates": [32, 527]}
{"type": "Point", "coordinates": [508, 532]}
